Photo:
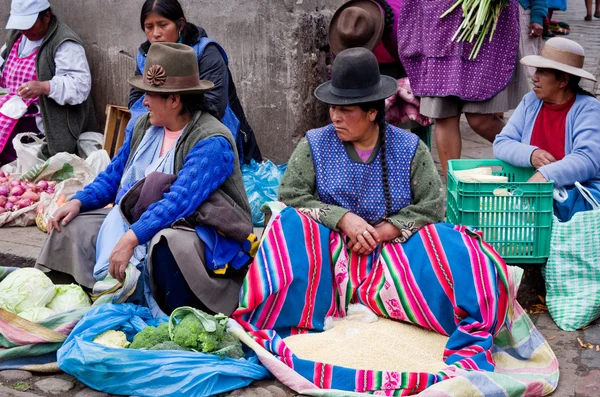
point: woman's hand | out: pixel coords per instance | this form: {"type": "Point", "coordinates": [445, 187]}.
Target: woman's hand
{"type": "Point", "coordinates": [34, 89]}
{"type": "Point", "coordinates": [387, 231]}
{"type": "Point", "coordinates": [66, 213]}
{"type": "Point", "coordinates": [540, 158]}
{"type": "Point", "coordinates": [121, 255]}
{"type": "Point", "coordinates": [537, 177]}
{"type": "Point", "coordinates": [535, 29]}
{"type": "Point", "coordinates": [363, 237]}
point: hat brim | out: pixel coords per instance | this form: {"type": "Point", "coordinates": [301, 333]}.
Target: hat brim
{"type": "Point", "coordinates": [389, 86]}
{"type": "Point", "coordinates": [21, 22]}
{"type": "Point", "coordinates": [335, 42]}
{"type": "Point", "coordinates": [538, 61]}
{"type": "Point", "coordinates": [138, 83]}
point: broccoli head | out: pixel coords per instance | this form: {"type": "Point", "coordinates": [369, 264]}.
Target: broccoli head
{"type": "Point", "coordinates": [230, 346]}
{"type": "Point", "coordinates": [150, 336]}
{"type": "Point", "coordinates": [168, 345]}
{"type": "Point", "coordinates": [209, 341]}
{"type": "Point", "coordinates": [186, 332]}
{"type": "Point", "coordinates": [197, 330]}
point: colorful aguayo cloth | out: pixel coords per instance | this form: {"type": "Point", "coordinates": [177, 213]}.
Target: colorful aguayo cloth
{"type": "Point", "coordinates": [303, 273]}
{"type": "Point", "coordinates": [32, 346]}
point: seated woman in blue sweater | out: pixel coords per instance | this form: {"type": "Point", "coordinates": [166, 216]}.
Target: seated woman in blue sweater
{"type": "Point", "coordinates": [179, 164]}
{"type": "Point", "coordinates": [556, 127]}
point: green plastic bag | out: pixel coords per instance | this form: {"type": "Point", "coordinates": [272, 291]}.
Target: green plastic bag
{"type": "Point", "coordinates": [572, 273]}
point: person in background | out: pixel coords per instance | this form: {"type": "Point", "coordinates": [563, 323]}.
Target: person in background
{"type": "Point", "coordinates": [164, 21]}
{"type": "Point", "coordinates": [556, 128]}
{"type": "Point", "coordinates": [531, 17]}
{"type": "Point", "coordinates": [450, 84]}
{"type": "Point", "coordinates": [553, 27]}
{"type": "Point", "coordinates": [43, 62]}
{"type": "Point", "coordinates": [588, 7]}
{"type": "Point", "coordinates": [373, 24]}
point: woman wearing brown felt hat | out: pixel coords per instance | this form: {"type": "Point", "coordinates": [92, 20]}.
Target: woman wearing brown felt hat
{"type": "Point", "coordinates": [178, 156]}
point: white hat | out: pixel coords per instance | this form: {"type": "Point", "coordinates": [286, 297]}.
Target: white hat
{"type": "Point", "coordinates": [24, 13]}
{"type": "Point", "coordinates": [560, 54]}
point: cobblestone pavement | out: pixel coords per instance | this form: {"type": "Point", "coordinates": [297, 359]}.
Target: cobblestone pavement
{"type": "Point", "coordinates": [580, 368]}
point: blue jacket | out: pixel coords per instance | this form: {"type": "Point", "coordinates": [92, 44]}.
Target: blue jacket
{"type": "Point", "coordinates": [582, 141]}
{"type": "Point", "coordinates": [179, 202]}
{"type": "Point", "coordinates": [539, 9]}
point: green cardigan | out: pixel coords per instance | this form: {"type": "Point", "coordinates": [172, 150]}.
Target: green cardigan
{"type": "Point", "coordinates": [299, 190]}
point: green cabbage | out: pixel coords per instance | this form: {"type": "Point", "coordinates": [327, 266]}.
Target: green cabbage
{"type": "Point", "coordinates": [37, 314]}
{"type": "Point", "coordinates": [69, 297]}
{"type": "Point", "coordinates": [25, 288]}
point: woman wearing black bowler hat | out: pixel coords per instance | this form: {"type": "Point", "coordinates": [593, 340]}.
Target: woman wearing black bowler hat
{"type": "Point", "coordinates": [363, 226]}
{"type": "Point", "coordinates": [384, 184]}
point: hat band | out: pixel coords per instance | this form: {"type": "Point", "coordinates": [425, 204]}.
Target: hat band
{"type": "Point", "coordinates": [356, 92]}
{"type": "Point", "coordinates": [566, 57]}
{"type": "Point", "coordinates": [176, 82]}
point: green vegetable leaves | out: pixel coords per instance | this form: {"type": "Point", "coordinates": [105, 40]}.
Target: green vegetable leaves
{"type": "Point", "coordinates": [479, 16]}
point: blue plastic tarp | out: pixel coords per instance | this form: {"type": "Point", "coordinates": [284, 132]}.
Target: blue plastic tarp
{"type": "Point", "coordinates": [143, 372]}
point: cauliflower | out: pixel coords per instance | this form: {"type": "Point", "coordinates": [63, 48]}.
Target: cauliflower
{"type": "Point", "coordinates": [112, 338]}
{"type": "Point", "coordinates": [151, 336]}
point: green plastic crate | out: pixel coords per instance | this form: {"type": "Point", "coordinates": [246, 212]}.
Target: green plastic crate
{"type": "Point", "coordinates": [517, 226]}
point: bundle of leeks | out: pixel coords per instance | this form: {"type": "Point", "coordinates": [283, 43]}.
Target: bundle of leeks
{"type": "Point", "coordinates": [480, 17]}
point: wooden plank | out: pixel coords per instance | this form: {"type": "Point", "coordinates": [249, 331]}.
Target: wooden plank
{"type": "Point", "coordinates": [109, 130]}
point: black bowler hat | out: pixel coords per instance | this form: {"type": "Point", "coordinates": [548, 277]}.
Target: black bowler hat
{"type": "Point", "coordinates": [355, 80]}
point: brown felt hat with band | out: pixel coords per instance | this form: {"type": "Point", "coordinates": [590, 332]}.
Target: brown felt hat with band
{"type": "Point", "coordinates": [358, 23]}
{"type": "Point", "coordinates": [560, 54]}
{"type": "Point", "coordinates": [171, 68]}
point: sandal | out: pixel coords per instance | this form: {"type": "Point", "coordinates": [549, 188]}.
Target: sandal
{"type": "Point", "coordinates": [588, 18]}
{"type": "Point", "coordinates": [563, 25]}
{"type": "Point", "coordinates": [597, 14]}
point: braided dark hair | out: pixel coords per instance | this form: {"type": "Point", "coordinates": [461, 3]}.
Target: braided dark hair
{"type": "Point", "coordinates": [379, 106]}
{"type": "Point", "coordinates": [389, 15]}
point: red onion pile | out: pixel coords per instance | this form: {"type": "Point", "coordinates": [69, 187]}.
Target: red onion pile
{"type": "Point", "coordinates": [16, 194]}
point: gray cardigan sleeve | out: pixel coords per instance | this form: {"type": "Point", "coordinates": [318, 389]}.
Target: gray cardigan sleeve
{"type": "Point", "coordinates": [299, 188]}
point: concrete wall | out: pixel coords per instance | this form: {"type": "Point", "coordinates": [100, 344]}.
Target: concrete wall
{"type": "Point", "coordinates": [277, 51]}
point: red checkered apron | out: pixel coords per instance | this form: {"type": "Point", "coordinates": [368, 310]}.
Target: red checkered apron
{"type": "Point", "coordinates": [17, 71]}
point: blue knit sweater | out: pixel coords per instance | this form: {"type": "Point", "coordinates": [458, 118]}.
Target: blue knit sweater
{"type": "Point", "coordinates": [539, 9]}
{"type": "Point", "coordinates": [186, 193]}
{"type": "Point", "coordinates": [582, 141]}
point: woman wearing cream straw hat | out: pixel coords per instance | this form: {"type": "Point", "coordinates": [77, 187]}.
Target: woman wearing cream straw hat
{"type": "Point", "coordinates": [556, 127]}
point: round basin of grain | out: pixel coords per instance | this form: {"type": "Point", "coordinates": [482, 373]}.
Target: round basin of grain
{"type": "Point", "coordinates": [385, 345]}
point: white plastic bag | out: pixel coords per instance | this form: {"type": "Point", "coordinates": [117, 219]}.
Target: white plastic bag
{"type": "Point", "coordinates": [28, 154]}
{"type": "Point", "coordinates": [14, 108]}
{"type": "Point", "coordinates": [88, 143]}
{"type": "Point", "coordinates": [98, 161]}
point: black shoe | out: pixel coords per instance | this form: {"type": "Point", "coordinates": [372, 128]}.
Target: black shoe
{"type": "Point", "coordinates": [548, 34]}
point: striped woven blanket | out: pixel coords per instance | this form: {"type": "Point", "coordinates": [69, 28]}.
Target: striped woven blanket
{"type": "Point", "coordinates": [445, 278]}
{"type": "Point", "coordinates": [32, 346]}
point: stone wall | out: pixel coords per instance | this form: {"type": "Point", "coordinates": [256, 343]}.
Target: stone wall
{"type": "Point", "coordinates": [277, 51]}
